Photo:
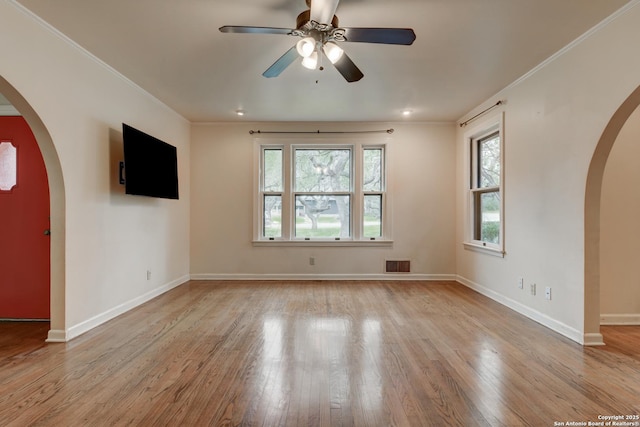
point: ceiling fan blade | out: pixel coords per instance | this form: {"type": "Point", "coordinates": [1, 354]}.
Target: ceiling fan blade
{"type": "Point", "coordinates": [322, 11]}
{"type": "Point", "coordinates": [404, 36]}
{"type": "Point", "coordinates": [283, 62]}
{"type": "Point", "coordinates": [348, 69]}
{"type": "Point", "coordinates": [254, 30]}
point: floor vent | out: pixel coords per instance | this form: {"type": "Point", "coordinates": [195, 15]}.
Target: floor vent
{"type": "Point", "coordinates": [398, 267]}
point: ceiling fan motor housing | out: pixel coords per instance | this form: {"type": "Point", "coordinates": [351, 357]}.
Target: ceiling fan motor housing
{"type": "Point", "coordinates": [303, 22]}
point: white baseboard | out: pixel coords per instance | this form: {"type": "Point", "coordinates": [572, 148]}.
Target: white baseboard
{"type": "Point", "coordinates": [56, 335]}
{"type": "Point", "coordinates": [285, 277]}
{"type": "Point", "coordinates": [79, 329]}
{"type": "Point", "coordinates": [593, 339]}
{"type": "Point", "coordinates": [628, 319]}
{"type": "Point", "coordinates": [532, 314]}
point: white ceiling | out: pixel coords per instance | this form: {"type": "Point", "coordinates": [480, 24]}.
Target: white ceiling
{"type": "Point", "coordinates": [465, 52]}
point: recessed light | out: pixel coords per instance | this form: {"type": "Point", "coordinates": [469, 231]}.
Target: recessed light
{"type": "Point", "coordinates": [406, 112]}
{"type": "Point", "coordinates": [240, 112]}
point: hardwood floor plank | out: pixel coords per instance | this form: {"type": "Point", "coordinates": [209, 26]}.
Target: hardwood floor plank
{"type": "Point", "coordinates": [320, 353]}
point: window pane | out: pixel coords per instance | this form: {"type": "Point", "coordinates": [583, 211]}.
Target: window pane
{"type": "Point", "coordinates": [372, 169]}
{"type": "Point", "coordinates": [489, 161]}
{"type": "Point", "coordinates": [8, 166]}
{"type": "Point", "coordinates": [322, 171]}
{"type": "Point", "coordinates": [272, 226]}
{"type": "Point", "coordinates": [322, 216]}
{"type": "Point", "coordinates": [372, 216]}
{"type": "Point", "coordinates": [488, 205]}
{"type": "Point", "coordinates": [272, 170]}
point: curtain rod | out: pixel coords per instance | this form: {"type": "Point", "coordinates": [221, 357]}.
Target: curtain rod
{"type": "Point", "coordinates": [389, 131]}
{"type": "Point", "coordinates": [463, 124]}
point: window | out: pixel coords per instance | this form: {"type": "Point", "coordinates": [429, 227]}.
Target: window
{"type": "Point", "coordinates": [321, 192]}
{"type": "Point", "coordinates": [272, 185]}
{"type": "Point", "coordinates": [373, 186]}
{"type": "Point", "coordinates": [485, 190]}
{"type": "Point", "coordinates": [8, 166]}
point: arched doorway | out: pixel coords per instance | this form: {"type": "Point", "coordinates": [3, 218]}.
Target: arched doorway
{"type": "Point", "coordinates": [593, 192]}
{"type": "Point", "coordinates": [620, 232]}
{"type": "Point", "coordinates": [57, 332]}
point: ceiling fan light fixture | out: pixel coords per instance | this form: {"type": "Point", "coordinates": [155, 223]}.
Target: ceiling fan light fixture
{"type": "Point", "coordinates": [311, 61]}
{"type": "Point", "coordinates": [333, 51]}
{"type": "Point", "coordinates": [306, 46]}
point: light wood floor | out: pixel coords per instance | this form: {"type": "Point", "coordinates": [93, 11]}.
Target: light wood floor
{"type": "Point", "coordinates": [316, 353]}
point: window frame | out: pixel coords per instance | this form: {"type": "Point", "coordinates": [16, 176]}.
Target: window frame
{"type": "Point", "coordinates": [483, 131]}
{"type": "Point", "coordinates": [356, 192]}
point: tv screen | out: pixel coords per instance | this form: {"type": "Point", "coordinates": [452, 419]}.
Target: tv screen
{"type": "Point", "coordinates": [150, 165]}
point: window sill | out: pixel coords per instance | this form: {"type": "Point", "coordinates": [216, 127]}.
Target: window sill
{"type": "Point", "coordinates": [334, 243]}
{"type": "Point", "coordinates": [478, 247]}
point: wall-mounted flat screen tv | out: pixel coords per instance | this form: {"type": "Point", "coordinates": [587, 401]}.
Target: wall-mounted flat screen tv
{"type": "Point", "coordinates": [150, 165]}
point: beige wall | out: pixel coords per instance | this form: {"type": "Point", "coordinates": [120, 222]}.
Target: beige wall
{"type": "Point", "coordinates": [620, 229]}
{"type": "Point", "coordinates": [554, 117]}
{"type": "Point", "coordinates": [110, 240]}
{"type": "Point", "coordinates": [422, 184]}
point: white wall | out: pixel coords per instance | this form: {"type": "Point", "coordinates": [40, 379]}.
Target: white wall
{"type": "Point", "coordinates": [111, 240]}
{"type": "Point", "coordinates": [421, 174]}
{"type": "Point", "coordinates": [620, 229]}
{"type": "Point", "coordinates": [554, 118]}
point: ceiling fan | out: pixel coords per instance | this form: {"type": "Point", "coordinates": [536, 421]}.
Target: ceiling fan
{"type": "Point", "coordinates": [319, 31]}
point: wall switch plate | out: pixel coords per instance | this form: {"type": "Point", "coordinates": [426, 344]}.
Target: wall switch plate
{"type": "Point", "coordinates": [547, 293]}
{"type": "Point", "coordinates": [521, 282]}
{"type": "Point", "coordinates": [533, 289]}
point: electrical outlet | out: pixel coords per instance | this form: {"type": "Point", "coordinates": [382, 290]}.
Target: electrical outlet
{"type": "Point", "coordinates": [547, 293]}
{"type": "Point", "coordinates": [520, 282]}
{"type": "Point", "coordinates": [533, 289]}
{"type": "Point", "coordinates": [312, 260]}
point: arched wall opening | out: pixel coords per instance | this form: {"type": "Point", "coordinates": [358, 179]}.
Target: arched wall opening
{"type": "Point", "coordinates": [57, 209]}
{"type": "Point", "coordinates": [593, 193]}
